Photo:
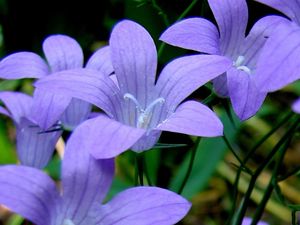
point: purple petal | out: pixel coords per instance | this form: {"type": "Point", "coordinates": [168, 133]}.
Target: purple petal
{"type": "Point", "coordinates": [232, 18]}
{"type": "Point", "coordinates": [245, 97]}
{"type": "Point", "coordinates": [86, 180]}
{"type": "Point", "coordinates": [220, 85]}
{"type": "Point", "coordinates": [277, 65]}
{"type": "Point", "coordinates": [88, 85]}
{"type": "Point", "coordinates": [247, 221]}
{"type": "Point", "coordinates": [193, 118]}
{"type": "Point", "coordinates": [144, 206]}
{"type": "Point", "coordinates": [147, 141]}
{"type": "Point", "coordinates": [62, 53]}
{"type": "Point", "coordinates": [107, 137]}
{"type": "Point", "coordinates": [134, 59]}
{"type": "Point", "coordinates": [195, 34]}
{"type": "Point", "coordinates": [48, 108]}
{"type": "Point", "coordinates": [77, 112]}
{"type": "Point", "coordinates": [101, 61]}
{"type": "Point", "coordinates": [258, 36]}
{"type": "Point", "coordinates": [23, 65]}
{"type": "Point", "coordinates": [4, 112]}
{"type": "Point", "coordinates": [18, 104]}
{"type": "Point", "coordinates": [35, 147]}
{"type": "Point", "coordinates": [296, 106]}
{"type": "Point", "coordinates": [188, 74]}
{"type": "Point", "coordinates": [28, 192]}
{"type": "Point", "coordinates": [290, 8]}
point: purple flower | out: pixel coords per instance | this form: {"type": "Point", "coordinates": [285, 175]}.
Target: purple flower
{"type": "Point", "coordinates": [85, 183]}
{"type": "Point", "coordinates": [296, 106]}
{"type": "Point", "coordinates": [247, 221]}
{"type": "Point", "coordinates": [229, 41]}
{"type": "Point", "coordinates": [139, 109]}
{"type": "Point", "coordinates": [283, 49]}
{"type": "Point", "coordinates": [34, 147]}
{"type": "Point", "coordinates": [62, 53]}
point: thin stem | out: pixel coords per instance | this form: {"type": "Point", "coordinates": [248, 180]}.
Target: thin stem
{"type": "Point", "coordinates": [190, 167]}
{"type": "Point", "coordinates": [140, 165]}
{"type": "Point", "coordinates": [146, 173]}
{"type": "Point", "coordinates": [246, 199]}
{"type": "Point", "coordinates": [161, 13]}
{"type": "Point", "coordinates": [166, 20]}
{"type": "Point", "coordinates": [272, 183]}
{"type": "Point", "coordinates": [250, 154]}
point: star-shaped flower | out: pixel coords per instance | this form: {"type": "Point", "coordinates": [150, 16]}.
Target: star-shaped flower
{"type": "Point", "coordinates": [230, 41]}
{"type": "Point", "coordinates": [85, 183]}
{"type": "Point", "coordinates": [139, 109]}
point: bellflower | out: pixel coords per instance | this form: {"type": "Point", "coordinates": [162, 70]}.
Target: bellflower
{"type": "Point", "coordinates": [283, 49]}
{"type": "Point", "coordinates": [138, 109]}
{"type": "Point", "coordinates": [62, 53]}
{"type": "Point", "coordinates": [229, 41]}
{"type": "Point", "coordinates": [296, 106]}
{"type": "Point", "coordinates": [34, 147]}
{"type": "Point", "coordinates": [85, 183]}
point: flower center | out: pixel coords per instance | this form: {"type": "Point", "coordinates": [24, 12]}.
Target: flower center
{"type": "Point", "coordinates": [239, 64]}
{"type": "Point", "coordinates": [144, 114]}
{"type": "Point", "coordinates": [68, 222]}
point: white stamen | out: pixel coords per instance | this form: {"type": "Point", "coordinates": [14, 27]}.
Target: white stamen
{"type": "Point", "coordinates": [128, 96]}
{"type": "Point", "coordinates": [144, 115]}
{"type": "Point", "coordinates": [239, 64]}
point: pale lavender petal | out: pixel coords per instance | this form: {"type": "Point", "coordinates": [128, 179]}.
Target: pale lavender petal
{"type": "Point", "coordinates": [220, 85]}
{"type": "Point", "coordinates": [3, 111]}
{"type": "Point", "coordinates": [35, 147]}
{"type": "Point", "coordinates": [23, 65]}
{"type": "Point", "coordinates": [28, 192]}
{"type": "Point", "coordinates": [62, 53]}
{"type": "Point", "coordinates": [85, 84]}
{"type": "Point", "coordinates": [147, 141]}
{"type": "Point", "coordinates": [18, 104]}
{"type": "Point", "coordinates": [247, 221]}
{"type": "Point", "coordinates": [108, 138]}
{"type": "Point", "coordinates": [296, 106]}
{"type": "Point", "coordinates": [143, 206]}
{"type": "Point", "coordinates": [277, 65]}
{"type": "Point", "coordinates": [193, 118]}
{"type": "Point", "coordinates": [184, 75]}
{"type": "Point", "coordinates": [245, 97]}
{"type": "Point", "coordinates": [257, 37]}
{"type": "Point", "coordinates": [77, 112]}
{"type": "Point", "coordinates": [232, 18]}
{"type": "Point", "coordinates": [290, 8]}
{"type": "Point", "coordinates": [47, 107]}
{"type": "Point", "coordinates": [134, 59]}
{"type": "Point", "coordinates": [86, 180]}
{"type": "Point", "coordinates": [195, 34]}
{"type": "Point", "coordinates": [101, 61]}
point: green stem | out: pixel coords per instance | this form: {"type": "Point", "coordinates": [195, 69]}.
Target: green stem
{"type": "Point", "coordinates": [246, 199]}
{"type": "Point", "coordinates": [161, 13]}
{"type": "Point", "coordinates": [146, 173]}
{"type": "Point", "coordinates": [167, 23]}
{"type": "Point", "coordinates": [140, 167]}
{"type": "Point", "coordinates": [190, 167]}
{"type": "Point", "coordinates": [268, 192]}
{"type": "Point", "coordinates": [249, 155]}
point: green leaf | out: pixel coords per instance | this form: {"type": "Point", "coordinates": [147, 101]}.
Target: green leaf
{"type": "Point", "coordinates": [210, 152]}
{"type": "Point", "coordinates": [7, 153]}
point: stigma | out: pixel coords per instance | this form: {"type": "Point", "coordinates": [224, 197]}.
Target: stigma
{"type": "Point", "coordinates": [239, 64]}
{"type": "Point", "coordinates": [144, 114]}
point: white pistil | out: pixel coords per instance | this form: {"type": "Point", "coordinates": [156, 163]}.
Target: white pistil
{"type": "Point", "coordinates": [144, 115]}
{"type": "Point", "coordinates": [239, 64]}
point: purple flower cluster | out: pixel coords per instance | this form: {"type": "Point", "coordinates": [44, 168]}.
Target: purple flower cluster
{"type": "Point", "coordinates": [120, 79]}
